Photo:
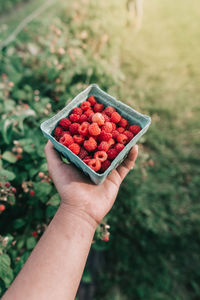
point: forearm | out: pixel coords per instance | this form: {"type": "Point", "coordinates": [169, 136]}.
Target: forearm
{"type": "Point", "coordinates": [54, 269]}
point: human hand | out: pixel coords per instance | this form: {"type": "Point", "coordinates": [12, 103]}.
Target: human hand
{"type": "Point", "coordinates": [78, 194]}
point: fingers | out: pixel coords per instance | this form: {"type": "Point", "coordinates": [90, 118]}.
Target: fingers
{"type": "Point", "coordinates": [53, 158]}
{"type": "Point", "coordinates": [58, 170]}
{"type": "Point", "coordinates": [128, 163]}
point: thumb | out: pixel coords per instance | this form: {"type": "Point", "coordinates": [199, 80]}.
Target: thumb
{"type": "Point", "coordinates": [53, 158]}
{"type": "Point", "coordinates": [128, 163]}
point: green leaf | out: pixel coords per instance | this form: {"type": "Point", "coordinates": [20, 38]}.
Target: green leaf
{"type": "Point", "coordinates": [5, 260]}
{"type": "Point", "coordinates": [32, 172]}
{"type": "Point", "coordinates": [6, 273]}
{"type": "Point", "coordinates": [6, 125]}
{"type": "Point", "coordinates": [44, 167]}
{"type": "Point", "coordinates": [18, 223]}
{"type": "Point", "coordinates": [54, 200]}
{"type": "Point", "coordinates": [40, 152]}
{"type": "Point", "coordinates": [27, 113]}
{"type": "Point", "coordinates": [42, 189]}
{"type": "Point", "coordinates": [9, 105]}
{"type": "Point", "coordinates": [19, 94]}
{"type": "Point", "coordinates": [30, 243]}
{"type": "Point", "coordinates": [8, 175]}
{"type": "Point", "coordinates": [22, 261]}
{"type": "Point", "coordinates": [20, 244]}
{"type": "Point", "coordinates": [50, 211]}
{"type": "Point", "coordinates": [9, 156]}
{"type": "Point", "coordinates": [86, 278]}
{"type": "Point", "coordinates": [29, 148]}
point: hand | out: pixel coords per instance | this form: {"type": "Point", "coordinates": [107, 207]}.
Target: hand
{"type": "Point", "coordinates": [78, 194]}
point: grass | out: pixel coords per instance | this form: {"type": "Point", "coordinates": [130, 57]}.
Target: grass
{"type": "Point", "coordinates": [157, 212]}
{"type": "Point", "coordinates": [158, 204]}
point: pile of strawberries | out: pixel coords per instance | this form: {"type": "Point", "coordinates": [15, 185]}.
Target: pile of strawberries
{"type": "Point", "coordinates": [95, 133]}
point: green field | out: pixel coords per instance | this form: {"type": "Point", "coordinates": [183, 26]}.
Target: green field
{"type": "Point", "coordinates": [154, 252]}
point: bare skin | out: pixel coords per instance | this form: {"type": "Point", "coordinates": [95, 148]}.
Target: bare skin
{"type": "Point", "coordinates": [54, 268]}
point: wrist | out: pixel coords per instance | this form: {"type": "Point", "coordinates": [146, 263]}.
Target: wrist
{"type": "Point", "coordinates": [77, 215]}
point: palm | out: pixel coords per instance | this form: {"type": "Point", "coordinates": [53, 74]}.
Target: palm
{"type": "Point", "coordinates": [77, 191]}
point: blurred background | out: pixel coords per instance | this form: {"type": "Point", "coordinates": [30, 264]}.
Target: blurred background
{"type": "Point", "coordinates": [50, 51]}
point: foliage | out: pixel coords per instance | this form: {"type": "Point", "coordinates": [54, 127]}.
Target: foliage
{"type": "Point", "coordinates": [38, 77]}
{"type": "Point", "coordinates": [7, 5]}
{"type": "Point", "coordinates": [154, 247]}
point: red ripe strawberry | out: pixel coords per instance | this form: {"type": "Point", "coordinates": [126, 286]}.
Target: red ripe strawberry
{"type": "Point", "coordinates": [79, 139]}
{"type": "Point", "coordinates": [66, 131]}
{"type": "Point", "coordinates": [85, 105]}
{"type": "Point", "coordinates": [74, 118]}
{"type": "Point", "coordinates": [109, 110]}
{"type": "Point", "coordinates": [100, 155]}
{"type": "Point", "coordinates": [98, 107]}
{"type": "Point", "coordinates": [122, 138]}
{"type": "Point", "coordinates": [90, 144]}
{"type": "Point", "coordinates": [112, 153]}
{"type": "Point", "coordinates": [94, 164]}
{"type": "Point", "coordinates": [119, 147]}
{"type": "Point", "coordinates": [83, 118]}
{"type": "Point", "coordinates": [129, 135]}
{"type": "Point", "coordinates": [103, 146]}
{"type": "Point", "coordinates": [77, 111]}
{"type": "Point", "coordinates": [19, 156]}
{"type": "Point", "coordinates": [106, 117]}
{"type": "Point", "coordinates": [120, 129]}
{"type": "Point", "coordinates": [34, 234]}
{"type": "Point", "coordinates": [7, 184]}
{"type": "Point", "coordinates": [2, 207]}
{"type": "Point", "coordinates": [32, 193]}
{"type": "Point", "coordinates": [104, 136]}
{"type": "Point", "coordinates": [83, 153]}
{"type": "Point", "coordinates": [73, 128]}
{"type": "Point", "coordinates": [83, 129]}
{"type": "Point", "coordinates": [105, 238]}
{"type": "Point", "coordinates": [123, 122]}
{"type": "Point", "coordinates": [111, 142]}
{"type": "Point", "coordinates": [98, 118]}
{"type": "Point", "coordinates": [58, 131]}
{"type": "Point", "coordinates": [92, 100]}
{"type": "Point", "coordinates": [88, 112]}
{"type": "Point", "coordinates": [66, 140]}
{"type": "Point", "coordinates": [107, 127]}
{"type": "Point", "coordinates": [115, 117]}
{"type": "Point", "coordinates": [65, 123]}
{"type": "Point", "coordinates": [135, 129]}
{"type": "Point", "coordinates": [87, 159]}
{"type": "Point", "coordinates": [13, 189]}
{"type": "Point", "coordinates": [89, 119]}
{"type": "Point", "coordinates": [113, 126]}
{"type": "Point", "coordinates": [75, 148]}
{"type": "Point", "coordinates": [105, 165]}
{"type": "Point", "coordinates": [94, 129]}
{"type": "Point", "coordinates": [115, 134]}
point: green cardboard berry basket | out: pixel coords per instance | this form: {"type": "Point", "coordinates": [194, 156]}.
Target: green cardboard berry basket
{"type": "Point", "coordinates": [126, 111]}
